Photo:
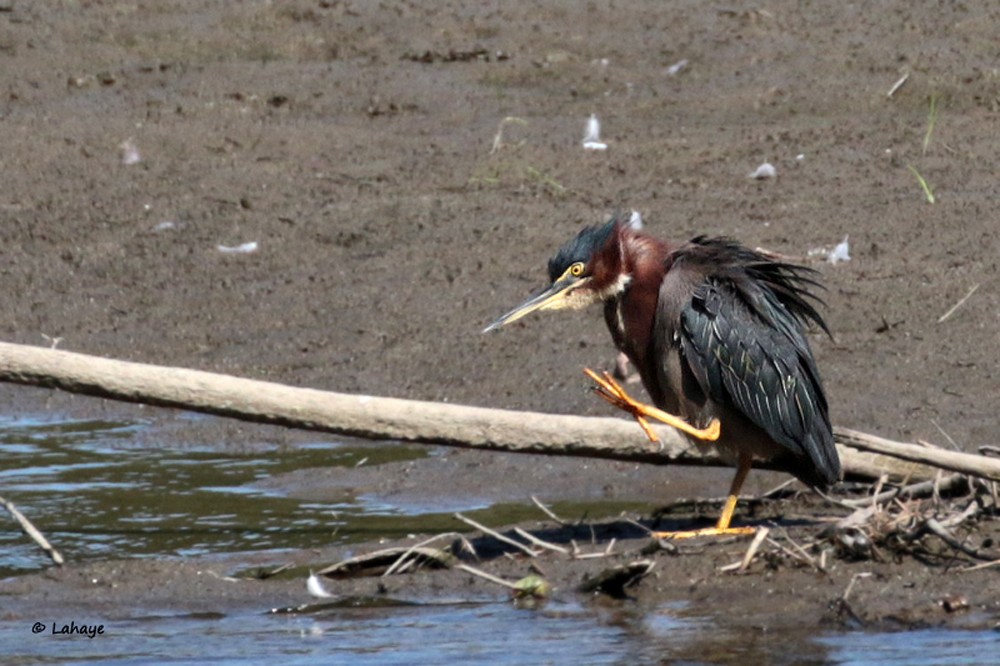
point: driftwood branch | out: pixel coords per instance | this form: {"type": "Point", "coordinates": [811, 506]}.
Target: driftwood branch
{"type": "Point", "coordinates": [863, 456]}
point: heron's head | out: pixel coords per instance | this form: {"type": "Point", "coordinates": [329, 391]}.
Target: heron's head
{"type": "Point", "coordinates": [588, 269]}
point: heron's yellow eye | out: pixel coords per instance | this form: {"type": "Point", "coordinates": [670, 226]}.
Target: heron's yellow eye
{"type": "Point", "coordinates": [576, 270]}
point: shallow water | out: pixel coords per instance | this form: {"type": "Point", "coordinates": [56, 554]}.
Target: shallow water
{"type": "Point", "coordinates": [495, 633]}
{"type": "Point", "coordinates": [103, 489]}
{"type": "Point", "coordinates": [112, 489]}
{"type": "Point", "coordinates": [99, 489]}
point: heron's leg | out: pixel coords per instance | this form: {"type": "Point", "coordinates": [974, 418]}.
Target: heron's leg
{"type": "Point", "coordinates": [721, 528]}
{"type": "Point", "coordinates": [611, 391]}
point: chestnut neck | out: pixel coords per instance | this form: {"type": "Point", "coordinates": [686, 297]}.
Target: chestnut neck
{"type": "Point", "coordinates": [628, 272]}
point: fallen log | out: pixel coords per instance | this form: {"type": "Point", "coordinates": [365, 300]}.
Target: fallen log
{"type": "Point", "coordinates": [431, 423]}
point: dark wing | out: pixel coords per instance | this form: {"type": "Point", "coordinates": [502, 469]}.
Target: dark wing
{"type": "Point", "coordinates": [741, 336]}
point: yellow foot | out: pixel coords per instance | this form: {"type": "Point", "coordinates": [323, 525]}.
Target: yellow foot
{"type": "Point", "coordinates": [706, 531]}
{"type": "Point", "coordinates": [611, 391]}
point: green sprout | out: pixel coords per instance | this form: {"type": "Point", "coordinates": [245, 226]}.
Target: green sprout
{"type": "Point", "coordinates": [928, 192]}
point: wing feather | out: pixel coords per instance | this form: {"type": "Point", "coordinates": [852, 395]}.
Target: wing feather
{"type": "Point", "coordinates": [741, 335]}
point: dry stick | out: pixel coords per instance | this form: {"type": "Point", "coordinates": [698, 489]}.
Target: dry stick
{"type": "Point", "coordinates": [965, 463]}
{"type": "Point", "coordinates": [490, 577]}
{"type": "Point", "coordinates": [539, 542]}
{"type": "Point", "coordinates": [444, 559]}
{"type": "Point", "coordinates": [850, 585]}
{"type": "Point", "coordinates": [774, 491]}
{"type": "Point", "coordinates": [897, 85]}
{"type": "Point", "coordinates": [801, 556]}
{"type": "Point", "coordinates": [981, 565]}
{"type": "Point", "coordinates": [496, 535]}
{"type": "Point", "coordinates": [398, 564]}
{"type": "Point", "coordinates": [636, 523]}
{"type": "Point", "coordinates": [956, 306]}
{"type": "Point", "coordinates": [345, 414]}
{"type": "Point", "coordinates": [949, 538]}
{"type": "Point", "coordinates": [758, 539]}
{"type": "Point", "coordinates": [577, 555]}
{"type": "Point", "coordinates": [427, 422]}
{"type": "Point", "coordinates": [954, 444]}
{"type": "Point", "coordinates": [957, 519]}
{"type": "Point", "coordinates": [751, 552]}
{"type": "Point", "coordinates": [802, 551]}
{"type": "Point", "coordinates": [548, 512]}
{"type": "Point", "coordinates": [32, 532]}
{"type": "Point", "coordinates": [913, 491]}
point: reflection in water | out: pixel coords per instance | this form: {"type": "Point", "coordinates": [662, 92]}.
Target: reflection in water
{"type": "Point", "coordinates": [97, 490]}
{"type": "Point", "coordinates": [101, 489]}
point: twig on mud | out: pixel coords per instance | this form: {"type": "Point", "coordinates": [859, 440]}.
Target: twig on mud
{"type": "Point", "coordinates": [548, 512]}
{"type": "Point", "coordinates": [540, 542]}
{"type": "Point", "coordinates": [657, 544]}
{"type": "Point", "coordinates": [961, 301]}
{"type": "Point", "coordinates": [981, 565]}
{"type": "Point", "coordinates": [800, 556]}
{"type": "Point", "coordinates": [897, 85]}
{"type": "Point", "coordinates": [742, 565]}
{"type": "Point", "coordinates": [850, 585]}
{"type": "Point", "coordinates": [799, 553]}
{"type": "Point", "coordinates": [496, 535]}
{"type": "Point", "coordinates": [938, 529]}
{"type": "Point", "coordinates": [397, 566]}
{"type": "Point", "coordinates": [844, 606]}
{"type": "Point", "coordinates": [777, 489]}
{"type": "Point", "coordinates": [878, 485]}
{"type": "Point", "coordinates": [914, 491]}
{"type": "Point", "coordinates": [867, 502]}
{"type": "Point", "coordinates": [636, 523]}
{"type": "Point", "coordinates": [387, 557]}
{"type": "Point", "coordinates": [530, 587]}
{"type": "Point", "coordinates": [844, 504]}
{"type": "Point", "coordinates": [884, 520]}
{"type": "Point", "coordinates": [957, 519]}
{"type": "Point", "coordinates": [32, 532]}
{"type": "Point", "coordinates": [487, 576]}
{"type": "Point", "coordinates": [578, 555]}
{"type": "Point", "coordinates": [954, 444]}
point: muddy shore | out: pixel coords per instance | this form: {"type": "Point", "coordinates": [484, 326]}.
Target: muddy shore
{"type": "Point", "coordinates": [357, 147]}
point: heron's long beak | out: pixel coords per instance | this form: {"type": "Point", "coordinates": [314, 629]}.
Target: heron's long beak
{"type": "Point", "coordinates": [556, 297]}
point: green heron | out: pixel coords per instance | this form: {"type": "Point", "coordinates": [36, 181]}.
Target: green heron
{"type": "Point", "coordinates": [715, 331]}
